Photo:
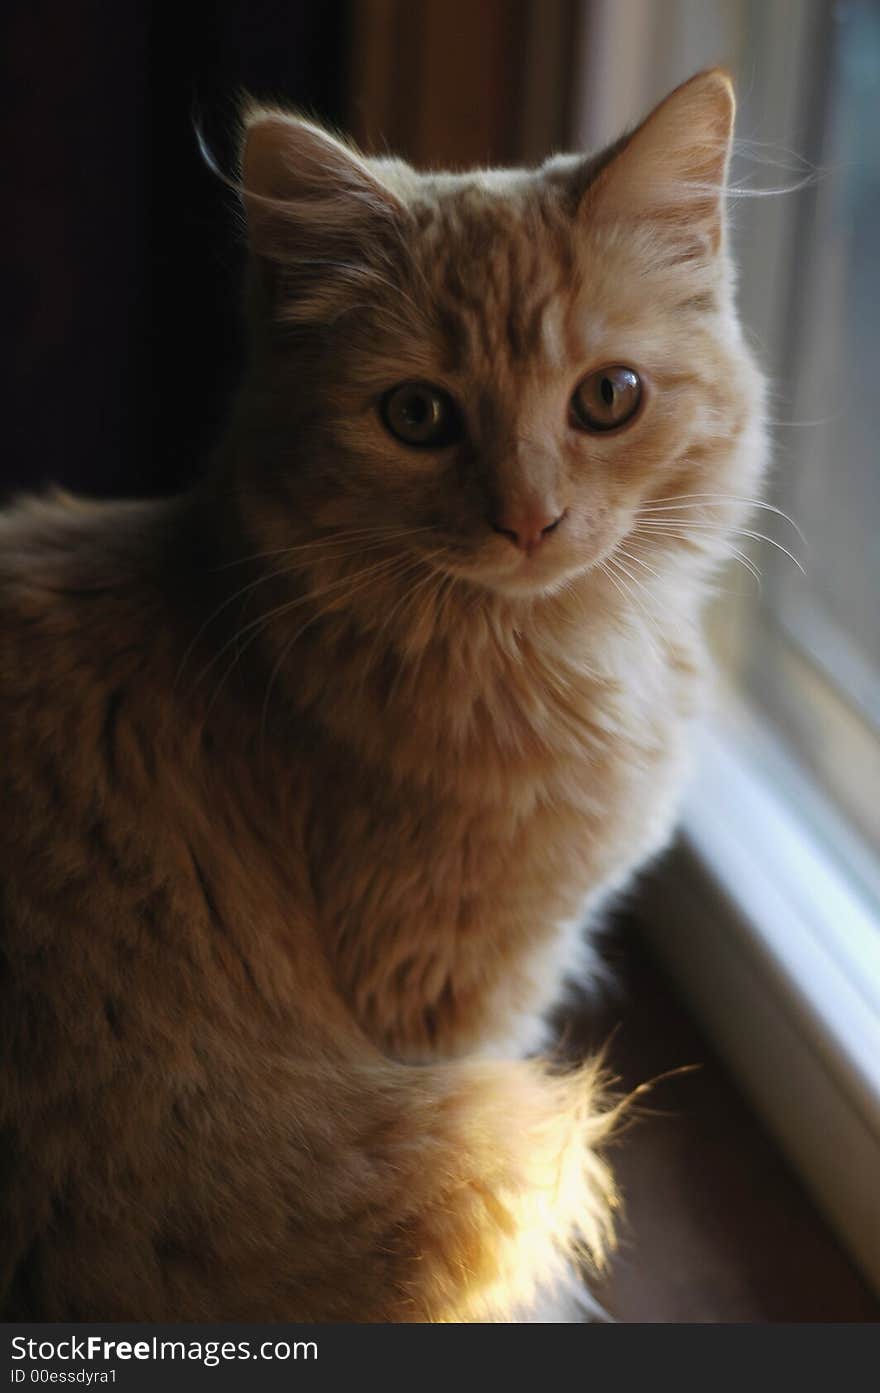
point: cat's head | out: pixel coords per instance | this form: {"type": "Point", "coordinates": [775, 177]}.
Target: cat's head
{"type": "Point", "coordinates": [502, 371]}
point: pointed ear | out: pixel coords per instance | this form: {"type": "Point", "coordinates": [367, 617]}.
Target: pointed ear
{"type": "Point", "coordinates": [305, 192]}
{"type": "Point", "coordinates": [672, 169]}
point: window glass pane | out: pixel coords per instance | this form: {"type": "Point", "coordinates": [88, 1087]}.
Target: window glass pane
{"type": "Point", "coordinates": [833, 474]}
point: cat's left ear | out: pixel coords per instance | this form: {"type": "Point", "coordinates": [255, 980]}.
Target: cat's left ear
{"type": "Point", "coordinates": [672, 169]}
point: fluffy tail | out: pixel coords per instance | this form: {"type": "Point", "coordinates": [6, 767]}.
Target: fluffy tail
{"type": "Point", "coordinates": [330, 1191]}
{"type": "Point", "coordinates": [497, 1192]}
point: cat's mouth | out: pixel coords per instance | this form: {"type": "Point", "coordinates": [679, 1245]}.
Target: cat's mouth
{"type": "Point", "coordinates": [519, 574]}
{"type": "Point", "coordinates": [570, 551]}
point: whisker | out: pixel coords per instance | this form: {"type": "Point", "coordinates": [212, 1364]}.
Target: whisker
{"type": "Point", "coordinates": [443, 604]}
{"type": "Point", "coordinates": [619, 551]}
{"type": "Point", "coordinates": [334, 539]}
{"type": "Point", "coordinates": [408, 593]}
{"type": "Point", "coordinates": [733, 553]}
{"type": "Point", "coordinates": [259, 626]}
{"type": "Point", "coordinates": [287, 605]}
{"type": "Point", "coordinates": [614, 561]}
{"type": "Point", "coordinates": [274, 575]}
{"type": "Point", "coordinates": [719, 530]}
{"type": "Point", "coordinates": [628, 596]}
{"type": "Point", "coordinates": [680, 499]}
{"type": "Point", "coordinates": [261, 580]}
{"type": "Point", "coordinates": [411, 563]}
{"type": "Point", "coordinates": [432, 592]}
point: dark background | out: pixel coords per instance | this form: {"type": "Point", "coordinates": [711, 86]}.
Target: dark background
{"type": "Point", "coordinates": [123, 256]}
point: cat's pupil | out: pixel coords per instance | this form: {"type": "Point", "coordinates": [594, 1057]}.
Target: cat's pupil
{"type": "Point", "coordinates": [607, 390]}
{"type": "Point", "coordinates": [417, 410]}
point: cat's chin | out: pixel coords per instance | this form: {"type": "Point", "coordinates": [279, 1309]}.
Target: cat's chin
{"type": "Point", "coordinates": [510, 575]}
{"type": "Point", "coordinates": [531, 583]}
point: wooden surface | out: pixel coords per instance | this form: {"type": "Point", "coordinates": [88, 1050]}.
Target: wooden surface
{"type": "Point", "coordinates": [716, 1228]}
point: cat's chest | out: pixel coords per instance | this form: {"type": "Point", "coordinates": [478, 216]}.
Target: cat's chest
{"type": "Point", "coordinates": [438, 896]}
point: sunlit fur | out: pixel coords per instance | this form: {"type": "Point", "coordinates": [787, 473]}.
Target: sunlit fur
{"type": "Point", "coordinates": [315, 776]}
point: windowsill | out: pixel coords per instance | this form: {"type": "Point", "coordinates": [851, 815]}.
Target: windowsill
{"type": "Point", "coordinates": [778, 952]}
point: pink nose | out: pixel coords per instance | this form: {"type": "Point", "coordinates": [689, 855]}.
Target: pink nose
{"type": "Point", "coordinates": [527, 525]}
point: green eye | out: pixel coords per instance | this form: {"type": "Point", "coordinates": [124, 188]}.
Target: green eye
{"type": "Point", "coordinates": [421, 415]}
{"type": "Point", "coordinates": [606, 399]}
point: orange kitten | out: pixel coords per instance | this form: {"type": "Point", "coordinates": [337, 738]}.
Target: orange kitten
{"type": "Point", "coordinates": [313, 776]}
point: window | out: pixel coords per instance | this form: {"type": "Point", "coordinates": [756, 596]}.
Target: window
{"type": "Point", "coordinates": [769, 914]}
{"type": "Point", "coordinates": [814, 660]}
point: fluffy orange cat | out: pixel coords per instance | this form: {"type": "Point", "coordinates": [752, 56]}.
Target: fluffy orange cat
{"type": "Point", "coordinates": [312, 777]}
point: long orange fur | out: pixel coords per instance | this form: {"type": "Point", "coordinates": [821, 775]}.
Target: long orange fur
{"type": "Point", "coordinates": [311, 778]}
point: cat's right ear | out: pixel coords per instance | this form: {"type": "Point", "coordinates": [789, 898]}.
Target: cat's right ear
{"type": "Point", "coordinates": [307, 194]}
